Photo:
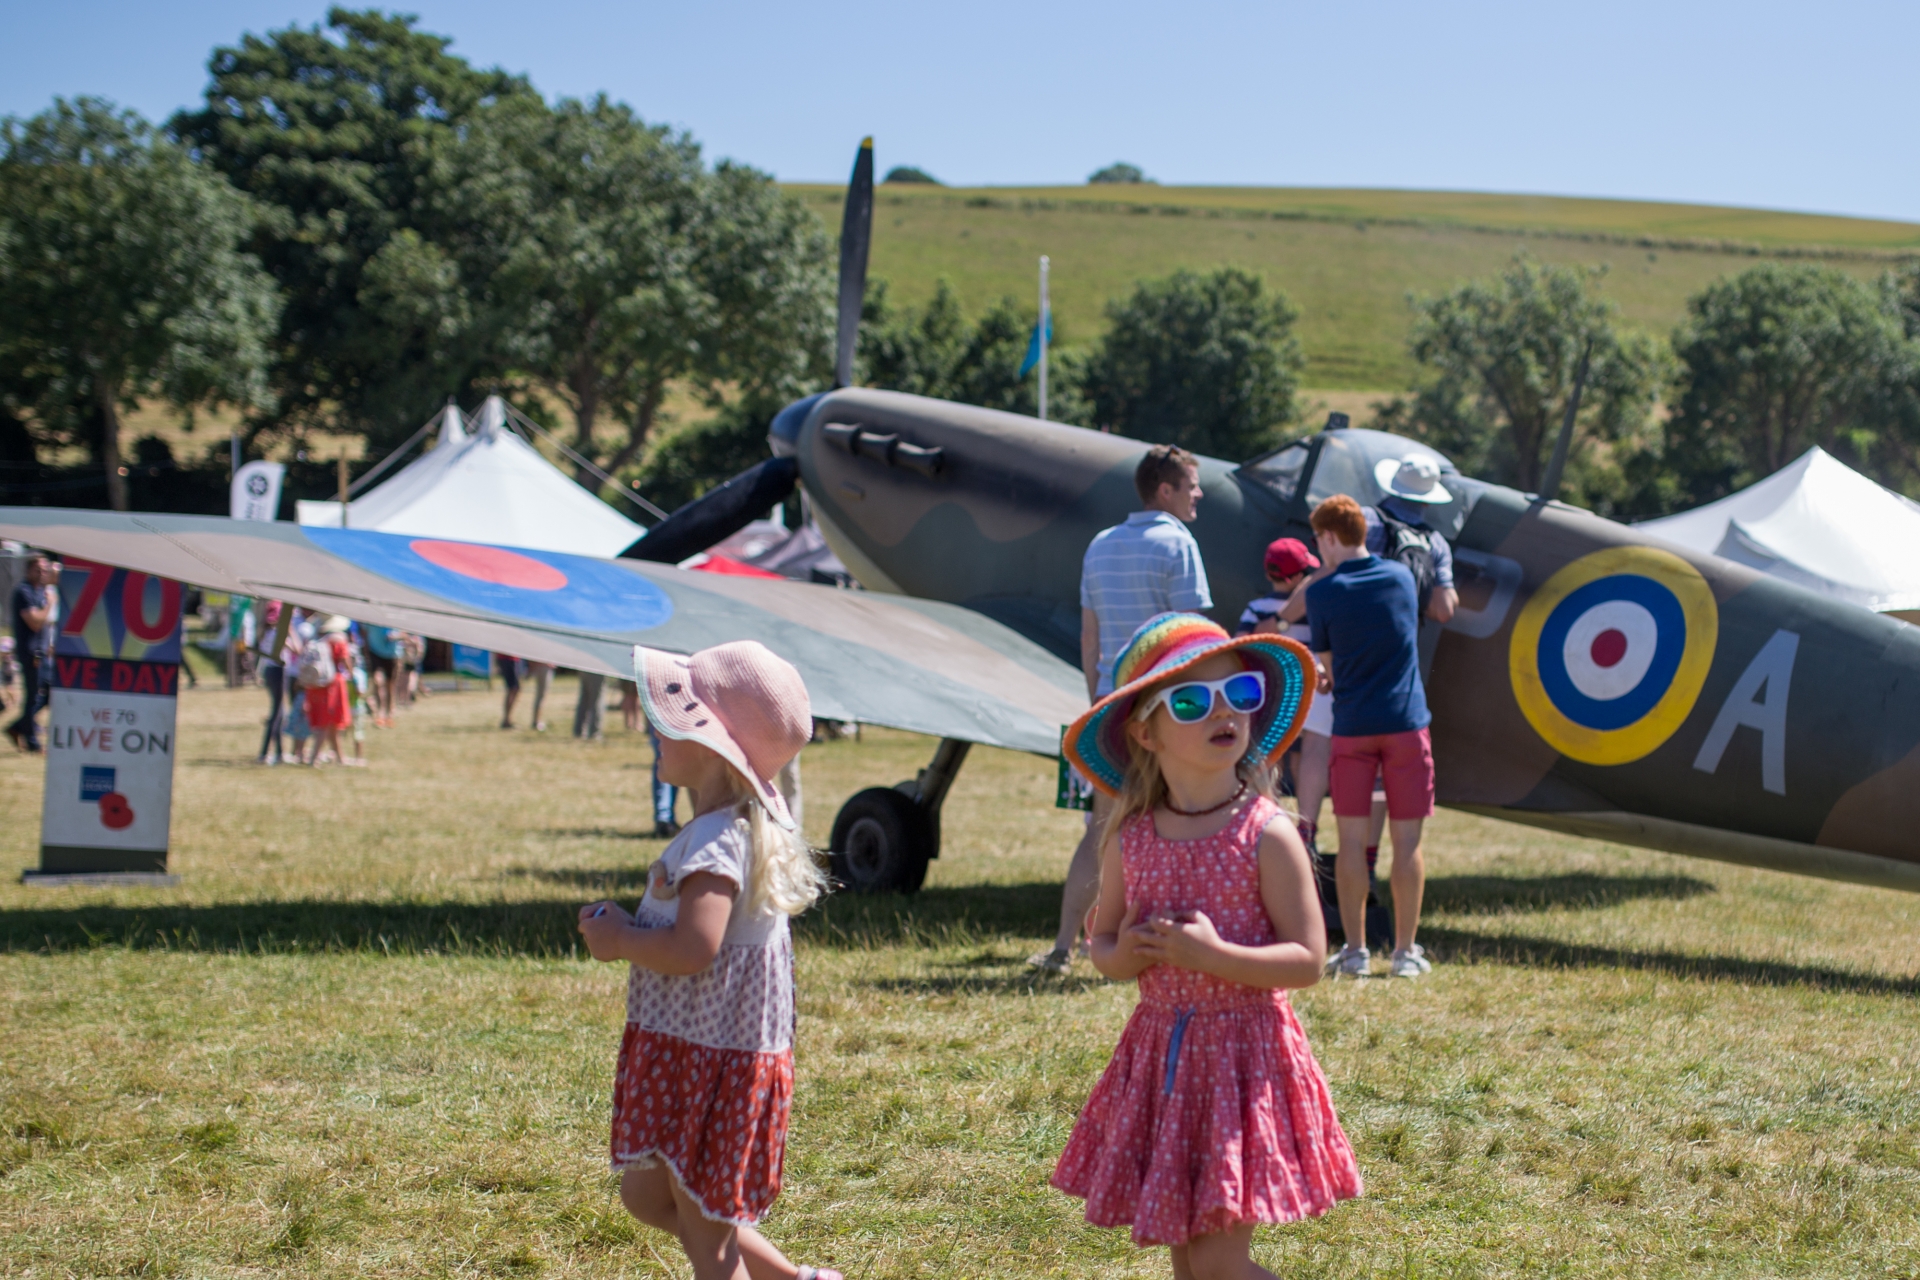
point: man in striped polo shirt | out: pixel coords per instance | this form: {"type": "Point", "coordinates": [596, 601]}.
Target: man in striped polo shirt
{"type": "Point", "coordinates": [1149, 565]}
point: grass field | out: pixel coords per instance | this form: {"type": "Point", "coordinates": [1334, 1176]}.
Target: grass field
{"type": "Point", "coordinates": [1348, 259]}
{"type": "Point", "coordinates": [357, 1040]}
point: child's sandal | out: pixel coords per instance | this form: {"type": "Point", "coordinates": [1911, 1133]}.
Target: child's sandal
{"type": "Point", "coordinates": [818, 1273]}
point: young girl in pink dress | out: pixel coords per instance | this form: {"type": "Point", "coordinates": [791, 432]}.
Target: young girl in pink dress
{"type": "Point", "coordinates": [704, 1081]}
{"type": "Point", "coordinates": [1213, 1115]}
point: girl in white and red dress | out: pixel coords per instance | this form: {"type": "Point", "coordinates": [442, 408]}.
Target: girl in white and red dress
{"type": "Point", "coordinates": [705, 1077]}
{"type": "Point", "coordinates": [1212, 1116]}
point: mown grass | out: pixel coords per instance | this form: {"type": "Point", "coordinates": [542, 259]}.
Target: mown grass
{"type": "Point", "coordinates": [1348, 259]}
{"type": "Point", "coordinates": [358, 1041]}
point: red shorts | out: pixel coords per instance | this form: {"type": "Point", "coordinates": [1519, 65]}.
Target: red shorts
{"type": "Point", "coordinates": [1405, 760]}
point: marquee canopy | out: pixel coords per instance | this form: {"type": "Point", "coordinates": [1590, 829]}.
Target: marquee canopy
{"type": "Point", "coordinates": [1816, 523]}
{"type": "Point", "coordinates": [484, 485]}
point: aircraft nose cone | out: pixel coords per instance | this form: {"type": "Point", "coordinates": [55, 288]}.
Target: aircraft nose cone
{"type": "Point", "coordinates": [783, 433]}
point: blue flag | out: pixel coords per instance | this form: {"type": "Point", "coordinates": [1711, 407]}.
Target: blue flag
{"type": "Point", "coordinates": [1033, 348]}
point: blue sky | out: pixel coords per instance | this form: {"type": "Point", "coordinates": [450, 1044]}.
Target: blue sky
{"type": "Point", "coordinates": [1797, 107]}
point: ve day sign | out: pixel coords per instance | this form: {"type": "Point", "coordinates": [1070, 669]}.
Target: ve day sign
{"type": "Point", "coordinates": [110, 722]}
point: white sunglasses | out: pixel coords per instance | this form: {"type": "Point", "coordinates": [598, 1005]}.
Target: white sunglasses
{"type": "Point", "coordinates": [1192, 701]}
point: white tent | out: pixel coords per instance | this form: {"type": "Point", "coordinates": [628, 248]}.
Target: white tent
{"type": "Point", "coordinates": [1816, 523]}
{"type": "Point", "coordinates": [487, 485]}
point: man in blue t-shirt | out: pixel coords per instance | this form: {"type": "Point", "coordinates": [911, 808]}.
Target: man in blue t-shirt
{"type": "Point", "coordinates": [1366, 642]}
{"type": "Point", "coordinates": [34, 611]}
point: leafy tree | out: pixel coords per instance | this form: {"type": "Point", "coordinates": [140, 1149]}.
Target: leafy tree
{"type": "Point", "coordinates": [936, 352]}
{"type": "Point", "coordinates": [693, 460]}
{"type": "Point", "coordinates": [911, 174]}
{"type": "Point", "coordinates": [608, 264]}
{"type": "Point", "coordinates": [1206, 362]}
{"type": "Point", "coordinates": [1119, 172]}
{"type": "Point", "coordinates": [1505, 356]}
{"type": "Point", "coordinates": [1777, 359]}
{"type": "Point", "coordinates": [122, 277]}
{"type": "Point", "coordinates": [333, 130]}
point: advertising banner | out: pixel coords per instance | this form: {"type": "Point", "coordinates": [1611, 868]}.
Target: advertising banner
{"type": "Point", "coordinates": [256, 491]}
{"type": "Point", "coordinates": [110, 723]}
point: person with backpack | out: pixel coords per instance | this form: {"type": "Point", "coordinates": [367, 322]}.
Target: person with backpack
{"type": "Point", "coordinates": [1397, 529]}
{"type": "Point", "coordinates": [323, 670]}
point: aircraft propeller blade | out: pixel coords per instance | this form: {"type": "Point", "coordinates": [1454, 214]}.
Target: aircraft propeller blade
{"type": "Point", "coordinates": [718, 514]}
{"type": "Point", "coordinates": [856, 236]}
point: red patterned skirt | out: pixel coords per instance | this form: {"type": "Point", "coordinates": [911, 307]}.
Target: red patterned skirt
{"type": "Point", "coordinates": [716, 1117]}
{"type": "Point", "coordinates": [1205, 1119]}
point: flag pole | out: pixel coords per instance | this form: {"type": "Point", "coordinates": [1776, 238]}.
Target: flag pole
{"type": "Point", "coordinates": [1045, 308]}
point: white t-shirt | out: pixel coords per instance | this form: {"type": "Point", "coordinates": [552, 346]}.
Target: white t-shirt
{"type": "Point", "coordinates": [744, 999]}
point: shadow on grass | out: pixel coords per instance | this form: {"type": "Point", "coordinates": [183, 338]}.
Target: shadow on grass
{"type": "Point", "coordinates": [962, 916]}
{"type": "Point", "coordinates": [1464, 946]}
{"type": "Point", "coordinates": [601, 833]}
{"type": "Point", "coordinates": [945, 916]}
{"type": "Point", "coordinates": [1496, 895]}
{"type": "Point", "coordinates": [941, 917]}
{"type": "Point", "coordinates": [534, 929]}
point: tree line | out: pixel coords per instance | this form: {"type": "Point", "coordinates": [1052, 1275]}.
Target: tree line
{"type": "Point", "coordinates": [356, 224]}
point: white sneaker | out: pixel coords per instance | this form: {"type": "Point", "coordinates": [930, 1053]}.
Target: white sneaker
{"type": "Point", "coordinates": [1350, 962]}
{"type": "Point", "coordinates": [1410, 963]}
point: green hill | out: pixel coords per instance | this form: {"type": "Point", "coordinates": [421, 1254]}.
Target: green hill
{"type": "Point", "coordinates": [1348, 259]}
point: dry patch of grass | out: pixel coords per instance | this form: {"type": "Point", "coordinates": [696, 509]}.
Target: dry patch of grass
{"type": "Point", "coordinates": [358, 1041]}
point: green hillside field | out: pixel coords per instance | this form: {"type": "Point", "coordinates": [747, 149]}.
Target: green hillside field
{"type": "Point", "coordinates": [1347, 258]}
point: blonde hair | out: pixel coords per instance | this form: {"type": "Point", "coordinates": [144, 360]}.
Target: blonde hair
{"type": "Point", "coordinates": [784, 875]}
{"type": "Point", "coordinates": [1143, 789]}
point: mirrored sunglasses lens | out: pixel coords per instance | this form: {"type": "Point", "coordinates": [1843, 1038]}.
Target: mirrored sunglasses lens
{"type": "Point", "coordinates": [1245, 692]}
{"type": "Point", "coordinates": [1190, 702]}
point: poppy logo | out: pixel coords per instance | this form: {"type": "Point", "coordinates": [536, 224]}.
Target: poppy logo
{"type": "Point", "coordinates": [1609, 655]}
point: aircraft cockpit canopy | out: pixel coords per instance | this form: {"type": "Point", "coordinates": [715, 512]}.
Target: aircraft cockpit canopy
{"type": "Point", "coordinates": [1346, 461]}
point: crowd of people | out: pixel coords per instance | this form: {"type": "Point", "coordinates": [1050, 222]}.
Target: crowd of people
{"type": "Point", "coordinates": [1213, 1115]}
{"type": "Point", "coordinates": [1191, 880]}
{"type": "Point", "coordinates": [1368, 607]}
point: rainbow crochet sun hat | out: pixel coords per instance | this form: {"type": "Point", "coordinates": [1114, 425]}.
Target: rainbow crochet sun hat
{"type": "Point", "coordinates": [1165, 646]}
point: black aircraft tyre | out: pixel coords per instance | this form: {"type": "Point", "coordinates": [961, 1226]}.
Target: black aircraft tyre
{"type": "Point", "coordinates": [881, 843]}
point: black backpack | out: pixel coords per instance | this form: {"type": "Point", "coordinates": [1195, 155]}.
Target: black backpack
{"type": "Point", "coordinates": [1411, 547]}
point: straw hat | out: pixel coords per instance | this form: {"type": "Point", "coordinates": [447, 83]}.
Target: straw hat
{"type": "Point", "coordinates": [338, 624]}
{"type": "Point", "coordinates": [1167, 645]}
{"type": "Point", "coordinates": [739, 700]}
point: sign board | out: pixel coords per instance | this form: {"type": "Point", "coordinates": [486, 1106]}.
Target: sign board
{"type": "Point", "coordinates": [256, 491]}
{"type": "Point", "coordinates": [469, 661]}
{"type": "Point", "coordinates": [110, 723]}
{"type": "Point", "coordinates": [1071, 789]}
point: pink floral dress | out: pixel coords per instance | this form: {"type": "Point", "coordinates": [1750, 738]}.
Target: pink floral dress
{"type": "Point", "coordinates": [704, 1082]}
{"type": "Point", "coordinates": [1213, 1111]}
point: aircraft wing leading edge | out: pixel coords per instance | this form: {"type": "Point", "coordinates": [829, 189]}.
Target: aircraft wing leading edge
{"type": "Point", "coordinates": [917, 665]}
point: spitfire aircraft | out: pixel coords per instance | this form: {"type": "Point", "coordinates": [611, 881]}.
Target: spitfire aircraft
{"type": "Point", "coordinates": [1593, 680]}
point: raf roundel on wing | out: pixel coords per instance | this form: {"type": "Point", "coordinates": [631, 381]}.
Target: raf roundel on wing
{"type": "Point", "coordinates": [1609, 655]}
{"type": "Point", "coordinates": [542, 587]}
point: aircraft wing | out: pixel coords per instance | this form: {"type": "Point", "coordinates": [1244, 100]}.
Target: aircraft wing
{"type": "Point", "coordinates": [918, 665]}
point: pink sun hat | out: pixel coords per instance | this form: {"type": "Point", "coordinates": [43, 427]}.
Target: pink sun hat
{"type": "Point", "coordinates": [739, 700]}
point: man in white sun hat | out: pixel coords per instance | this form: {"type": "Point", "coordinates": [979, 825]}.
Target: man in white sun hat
{"type": "Point", "coordinates": [1397, 529]}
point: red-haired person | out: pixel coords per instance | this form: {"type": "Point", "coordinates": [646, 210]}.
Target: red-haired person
{"type": "Point", "coordinates": [1366, 641]}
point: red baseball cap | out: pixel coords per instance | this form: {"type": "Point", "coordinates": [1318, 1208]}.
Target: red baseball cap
{"type": "Point", "coordinates": [1288, 556]}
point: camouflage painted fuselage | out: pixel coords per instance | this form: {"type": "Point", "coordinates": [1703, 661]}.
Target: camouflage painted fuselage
{"type": "Point", "coordinates": [1748, 720]}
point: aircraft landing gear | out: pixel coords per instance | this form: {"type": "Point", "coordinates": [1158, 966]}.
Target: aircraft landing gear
{"type": "Point", "coordinates": [884, 837]}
